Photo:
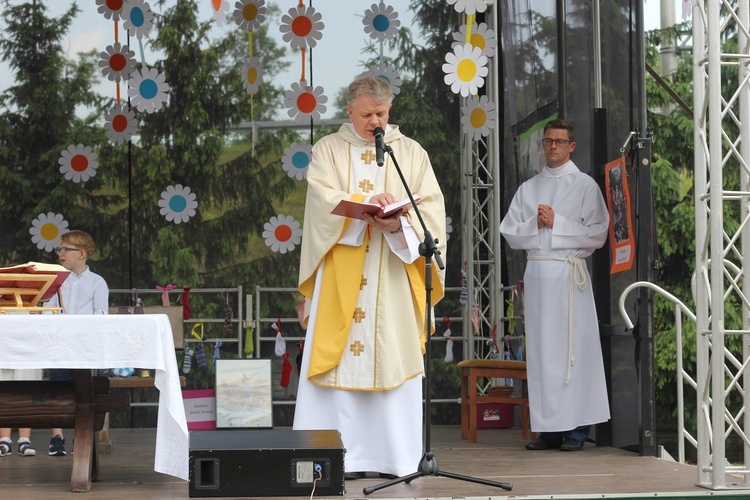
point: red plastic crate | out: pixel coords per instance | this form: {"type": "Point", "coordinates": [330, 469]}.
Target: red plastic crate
{"type": "Point", "coordinates": [494, 415]}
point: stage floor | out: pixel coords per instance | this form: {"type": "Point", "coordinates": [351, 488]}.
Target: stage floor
{"type": "Point", "coordinates": [498, 456]}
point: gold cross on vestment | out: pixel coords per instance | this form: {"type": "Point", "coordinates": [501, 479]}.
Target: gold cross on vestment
{"type": "Point", "coordinates": [367, 157]}
{"type": "Point", "coordinates": [359, 315]}
{"type": "Point", "coordinates": [357, 348]}
{"type": "Point", "coordinates": [366, 186]}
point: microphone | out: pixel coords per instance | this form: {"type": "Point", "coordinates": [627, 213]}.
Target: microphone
{"type": "Point", "coordinates": [379, 146]}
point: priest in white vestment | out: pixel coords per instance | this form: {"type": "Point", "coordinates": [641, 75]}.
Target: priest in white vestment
{"type": "Point", "coordinates": [559, 217]}
{"type": "Point", "coordinates": [363, 281]}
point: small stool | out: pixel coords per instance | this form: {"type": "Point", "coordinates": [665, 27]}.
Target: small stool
{"type": "Point", "coordinates": [471, 370]}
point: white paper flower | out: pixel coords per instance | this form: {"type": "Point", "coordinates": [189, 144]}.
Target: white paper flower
{"type": "Point", "coordinates": [305, 102]}
{"type": "Point", "coordinates": [282, 233]}
{"type": "Point", "coordinates": [120, 124]}
{"type": "Point", "coordinates": [249, 14]}
{"type": "Point", "coordinates": [177, 204]}
{"type": "Point", "coordinates": [478, 117]}
{"type": "Point", "coordinates": [78, 163]}
{"type": "Point", "coordinates": [117, 62]}
{"type": "Point", "coordinates": [252, 73]}
{"type": "Point", "coordinates": [148, 90]}
{"type": "Point", "coordinates": [46, 230]}
{"type": "Point", "coordinates": [389, 74]}
{"type": "Point", "coordinates": [302, 27]}
{"type": "Point", "coordinates": [481, 37]}
{"type": "Point", "coordinates": [111, 9]}
{"type": "Point", "coordinates": [470, 6]}
{"type": "Point", "coordinates": [296, 159]}
{"type": "Point", "coordinates": [448, 228]}
{"type": "Point", "coordinates": [220, 9]}
{"type": "Point", "coordinates": [381, 22]}
{"type": "Point", "coordinates": [465, 69]}
{"type": "Point", "coordinates": [138, 18]}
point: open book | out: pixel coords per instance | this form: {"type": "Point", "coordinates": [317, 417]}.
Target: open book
{"type": "Point", "coordinates": [25, 285]}
{"type": "Point", "coordinates": [355, 209]}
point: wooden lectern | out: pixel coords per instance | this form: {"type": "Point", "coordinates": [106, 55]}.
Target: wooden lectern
{"type": "Point", "coordinates": [24, 287]}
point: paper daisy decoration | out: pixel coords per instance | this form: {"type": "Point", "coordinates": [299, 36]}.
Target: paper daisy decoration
{"type": "Point", "coordinates": [305, 102]}
{"type": "Point", "coordinates": [78, 163]}
{"type": "Point", "coordinates": [470, 6]}
{"type": "Point", "coordinates": [481, 37]}
{"type": "Point", "coordinates": [250, 14]}
{"type": "Point", "coordinates": [302, 27]}
{"type": "Point", "coordinates": [177, 204]}
{"type": "Point", "coordinates": [296, 159]}
{"type": "Point", "coordinates": [111, 9]}
{"type": "Point", "coordinates": [478, 117]}
{"type": "Point", "coordinates": [381, 22]}
{"type": "Point", "coordinates": [138, 18]}
{"type": "Point", "coordinates": [148, 90]}
{"type": "Point", "coordinates": [282, 233]}
{"type": "Point", "coordinates": [465, 69]}
{"type": "Point", "coordinates": [46, 230]}
{"type": "Point", "coordinates": [252, 73]}
{"type": "Point", "coordinates": [120, 124]}
{"type": "Point", "coordinates": [389, 74]}
{"type": "Point", "coordinates": [117, 62]}
{"type": "Point", "coordinates": [220, 9]}
{"type": "Point", "coordinates": [448, 228]}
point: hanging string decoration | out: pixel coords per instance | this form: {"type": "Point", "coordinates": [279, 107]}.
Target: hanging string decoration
{"type": "Point", "coordinates": [148, 90]}
{"type": "Point", "coordinates": [389, 74]}
{"type": "Point", "coordinates": [78, 163]}
{"type": "Point", "coordinates": [120, 124]}
{"type": "Point", "coordinates": [178, 203]}
{"type": "Point", "coordinates": [478, 117]}
{"type": "Point", "coordinates": [282, 233]}
{"type": "Point", "coordinates": [110, 9]}
{"type": "Point", "coordinates": [252, 74]}
{"type": "Point", "coordinates": [301, 27]}
{"type": "Point", "coordinates": [478, 36]}
{"type": "Point", "coordinates": [117, 62]}
{"type": "Point", "coordinates": [138, 18]}
{"type": "Point", "coordinates": [249, 14]}
{"type": "Point", "coordinates": [46, 230]}
{"type": "Point", "coordinates": [305, 103]}
{"type": "Point", "coordinates": [465, 69]}
{"type": "Point", "coordinates": [470, 6]}
{"type": "Point", "coordinates": [296, 159]}
{"type": "Point", "coordinates": [220, 9]}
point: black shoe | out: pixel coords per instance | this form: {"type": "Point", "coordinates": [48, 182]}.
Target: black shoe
{"type": "Point", "coordinates": [570, 444]}
{"type": "Point", "coordinates": [351, 476]}
{"type": "Point", "coordinates": [540, 444]}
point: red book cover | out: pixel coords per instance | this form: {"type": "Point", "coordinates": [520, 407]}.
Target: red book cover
{"type": "Point", "coordinates": [355, 209]}
{"type": "Point", "coordinates": [34, 290]}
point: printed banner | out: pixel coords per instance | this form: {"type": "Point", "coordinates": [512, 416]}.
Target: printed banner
{"type": "Point", "coordinates": [620, 224]}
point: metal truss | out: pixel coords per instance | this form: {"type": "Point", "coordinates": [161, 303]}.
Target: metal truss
{"type": "Point", "coordinates": [721, 97]}
{"type": "Point", "coordinates": [480, 218]}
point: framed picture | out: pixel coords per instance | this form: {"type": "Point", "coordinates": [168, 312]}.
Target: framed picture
{"type": "Point", "coordinates": [243, 393]}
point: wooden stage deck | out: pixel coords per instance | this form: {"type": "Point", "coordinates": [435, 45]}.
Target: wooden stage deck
{"type": "Point", "coordinates": [498, 456]}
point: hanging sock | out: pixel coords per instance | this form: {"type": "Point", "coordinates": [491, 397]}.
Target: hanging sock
{"type": "Point", "coordinates": [228, 315]}
{"type": "Point", "coordinates": [464, 296]}
{"type": "Point", "coordinates": [185, 300]}
{"type": "Point", "coordinates": [249, 347]}
{"type": "Point", "coordinates": [449, 341]}
{"type": "Point", "coordinates": [280, 347]}
{"type": "Point", "coordinates": [286, 370]}
{"type": "Point", "coordinates": [200, 349]}
{"type": "Point", "coordinates": [165, 293]}
{"type": "Point", "coordinates": [217, 355]}
{"type": "Point", "coordinates": [187, 362]}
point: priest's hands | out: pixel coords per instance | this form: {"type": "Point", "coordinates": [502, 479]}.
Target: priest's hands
{"type": "Point", "coordinates": [545, 216]}
{"type": "Point", "coordinates": [392, 223]}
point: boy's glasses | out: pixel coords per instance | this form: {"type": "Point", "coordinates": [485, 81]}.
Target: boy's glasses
{"type": "Point", "coordinates": [64, 250]}
{"type": "Point", "coordinates": [559, 142]}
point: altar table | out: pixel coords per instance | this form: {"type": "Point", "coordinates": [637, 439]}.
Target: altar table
{"type": "Point", "coordinates": [29, 341]}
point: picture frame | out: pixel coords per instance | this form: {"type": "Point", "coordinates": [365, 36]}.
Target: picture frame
{"type": "Point", "coordinates": [243, 393]}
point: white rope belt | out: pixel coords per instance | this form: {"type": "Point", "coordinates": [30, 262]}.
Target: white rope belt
{"type": "Point", "coordinates": [577, 276]}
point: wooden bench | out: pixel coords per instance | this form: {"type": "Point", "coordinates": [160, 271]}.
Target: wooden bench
{"type": "Point", "coordinates": [81, 405]}
{"type": "Point", "coordinates": [473, 369]}
{"type": "Point", "coordinates": [137, 382]}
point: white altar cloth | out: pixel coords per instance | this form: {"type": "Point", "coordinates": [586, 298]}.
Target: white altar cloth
{"type": "Point", "coordinates": [107, 341]}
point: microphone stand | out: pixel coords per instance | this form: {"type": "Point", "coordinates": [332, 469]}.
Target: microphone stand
{"type": "Point", "coordinates": [427, 464]}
